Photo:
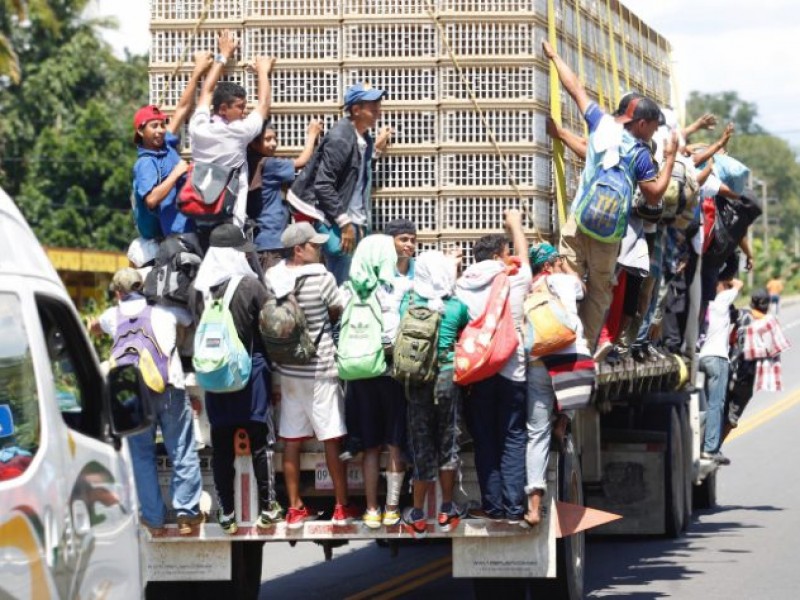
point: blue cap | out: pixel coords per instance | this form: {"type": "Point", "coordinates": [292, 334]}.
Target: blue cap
{"type": "Point", "coordinates": [362, 92]}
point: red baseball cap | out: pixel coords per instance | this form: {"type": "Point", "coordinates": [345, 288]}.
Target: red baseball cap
{"type": "Point", "coordinates": [147, 113]}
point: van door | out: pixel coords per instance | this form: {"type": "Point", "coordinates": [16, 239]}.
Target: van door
{"type": "Point", "coordinates": [98, 552]}
{"type": "Point", "coordinates": [30, 456]}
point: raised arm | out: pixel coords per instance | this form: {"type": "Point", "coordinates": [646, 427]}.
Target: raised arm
{"type": "Point", "coordinates": [712, 149]}
{"type": "Point", "coordinates": [568, 78]}
{"type": "Point", "coordinates": [654, 190]}
{"type": "Point", "coordinates": [263, 67]}
{"type": "Point", "coordinates": [573, 141]}
{"type": "Point", "coordinates": [202, 63]}
{"type": "Point", "coordinates": [513, 222]}
{"type": "Point", "coordinates": [312, 135]}
{"type": "Point", "coordinates": [227, 47]}
{"type": "Point", "coordinates": [707, 121]}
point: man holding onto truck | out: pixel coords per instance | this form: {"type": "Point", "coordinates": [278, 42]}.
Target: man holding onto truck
{"type": "Point", "coordinates": [614, 144]}
{"type": "Point", "coordinates": [495, 407]}
{"type": "Point", "coordinates": [219, 131]}
{"type": "Point", "coordinates": [159, 170]}
{"type": "Point", "coordinates": [135, 324]}
{"type": "Point", "coordinates": [714, 363]}
{"type": "Point", "coordinates": [334, 189]}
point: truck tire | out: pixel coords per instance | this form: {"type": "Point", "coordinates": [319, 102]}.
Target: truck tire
{"type": "Point", "coordinates": [570, 550]}
{"type": "Point", "coordinates": [664, 415]}
{"type": "Point", "coordinates": [705, 495]}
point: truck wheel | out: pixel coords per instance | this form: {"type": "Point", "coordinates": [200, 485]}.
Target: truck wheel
{"type": "Point", "coordinates": [663, 414]}
{"type": "Point", "coordinates": [570, 550]}
{"type": "Point", "coordinates": [705, 494]}
{"type": "Point", "coordinates": [688, 475]}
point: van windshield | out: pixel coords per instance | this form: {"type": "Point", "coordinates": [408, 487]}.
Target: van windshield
{"type": "Point", "coordinates": [19, 406]}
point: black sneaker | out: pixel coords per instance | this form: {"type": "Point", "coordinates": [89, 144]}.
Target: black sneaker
{"type": "Point", "coordinates": [479, 513]}
{"type": "Point", "coordinates": [270, 517]}
{"type": "Point", "coordinates": [227, 522]}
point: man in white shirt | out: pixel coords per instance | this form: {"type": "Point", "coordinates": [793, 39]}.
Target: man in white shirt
{"type": "Point", "coordinates": [173, 413]}
{"type": "Point", "coordinates": [219, 131]}
{"type": "Point", "coordinates": [714, 363]}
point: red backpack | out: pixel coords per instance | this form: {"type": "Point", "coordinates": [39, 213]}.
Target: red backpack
{"type": "Point", "coordinates": [210, 192]}
{"type": "Point", "coordinates": [490, 340]}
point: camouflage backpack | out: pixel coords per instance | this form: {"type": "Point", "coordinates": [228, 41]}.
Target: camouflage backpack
{"type": "Point", "coordinates": [284, 328]}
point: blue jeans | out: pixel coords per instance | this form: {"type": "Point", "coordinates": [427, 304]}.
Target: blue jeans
{"type": "Point", "coordinates": [174, 416]}
{"type": "Point", "coordinates": [541, 397]}
{"type": "Point", "coordinates": [495, 412]}
{"type": "Point", "coordinates": [337, 262]}
{"type": "Point", "coordinates": [716, 370]}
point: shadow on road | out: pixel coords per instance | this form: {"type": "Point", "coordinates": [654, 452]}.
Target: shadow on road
{"type": "Point", "coordinates": [615, 565]}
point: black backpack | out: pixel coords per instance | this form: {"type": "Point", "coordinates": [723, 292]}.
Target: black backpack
{"type": "Point", "coordinates": [176, 266]}
{"type": "Point", "coordinates": [732, 218]}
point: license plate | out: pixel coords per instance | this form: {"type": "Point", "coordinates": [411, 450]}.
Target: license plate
{"type": "Point", "coordinates": [323, 481]}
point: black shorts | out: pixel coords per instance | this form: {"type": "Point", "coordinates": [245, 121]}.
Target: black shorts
{"type": "Point", "coordinates": [375, 412]}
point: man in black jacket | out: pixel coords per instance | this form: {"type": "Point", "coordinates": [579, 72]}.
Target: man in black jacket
{"type": "Point", "coordinates": [334, 188]}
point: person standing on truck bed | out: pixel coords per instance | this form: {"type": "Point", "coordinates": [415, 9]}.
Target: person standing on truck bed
{"type": "Point", "coordinates": [435, 409]}
{"type": "Point", "coordinates": [173, 414]}
{"type": "Point", "coordinates": [572, 366]}
{"type": "Point", "coordinates": [334, 189]}
{"type": "Point", "coordinates": [714, 363]}
{"type": "Point", "coordinates": [268, 177]}
{"type": "Point", "coordinates": [159, 170]}
{"type": "Point", "coordinates": [248, 408]}
{"type": "Point", "coordinates": [376, 407]}
{"type": "Point", "coordinates": [219, 131]}
{"type": "Point", "coordinates": [495, 407]}
{"type": "Point", "coordinates": [312, 402]}
{"type": "Point", "coordinates": [620, 140]}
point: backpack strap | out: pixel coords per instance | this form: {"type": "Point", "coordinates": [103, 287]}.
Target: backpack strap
{"type": "Point", "coordinates": [298, 283]}
{"type": "Point", "coordinates": [233, 283]}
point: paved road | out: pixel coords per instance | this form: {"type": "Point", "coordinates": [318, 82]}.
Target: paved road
{"type": "Point", "coordinates": [744, 548]}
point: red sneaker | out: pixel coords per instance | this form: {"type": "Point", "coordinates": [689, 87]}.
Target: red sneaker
{"type": "Point", "coordinates": [344, 513]}
{"type": "Point", "coordinates": [297, 516]}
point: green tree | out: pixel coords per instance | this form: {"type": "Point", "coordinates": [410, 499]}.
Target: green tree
{"type": "Point", "coordinates": [65, 137]}
{"type": "Point", "coordinates": [16, 16]}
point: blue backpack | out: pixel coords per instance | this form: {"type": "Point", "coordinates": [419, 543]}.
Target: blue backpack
{"type": "Point", "coordinates": [135, 344]}
{"type": "Point", "coordinates": [602, 210]}
{"type": "Point", "coordinates": [221, 362]}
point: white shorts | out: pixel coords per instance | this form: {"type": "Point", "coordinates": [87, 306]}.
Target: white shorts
{"type": "Point", "coordinates": [311, 408]}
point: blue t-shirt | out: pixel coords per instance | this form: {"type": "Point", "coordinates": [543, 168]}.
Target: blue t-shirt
{"type": "Point", "coordinates": [151, 168]}
{"type": "Point", "coordinates": [644, 169]}
{"type": "Point", "coordinates": [632, 149]}
{"type": "Point", "coordinates": [269, 211]}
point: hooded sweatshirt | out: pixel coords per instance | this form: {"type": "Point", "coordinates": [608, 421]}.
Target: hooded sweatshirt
{"type": "Point", "coordinates": [472, 288]}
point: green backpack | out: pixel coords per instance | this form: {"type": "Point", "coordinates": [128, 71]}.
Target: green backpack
{"type": "Point", "coordinates": [360, 354]}
{"type": "Point", "coordinates": [417, 346]}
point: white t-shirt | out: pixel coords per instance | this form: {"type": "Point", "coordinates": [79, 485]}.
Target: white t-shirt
{"type": "Point", "coordinates": [355, 210]}
{"type": "Point", "coordinates": [569, 290]}
{"type": "Point", "coordinates": [213, 140]}
{"type": "Point", "coordinates": [164, 320]}
{"type": "Point", "coordinates": [719, 323]}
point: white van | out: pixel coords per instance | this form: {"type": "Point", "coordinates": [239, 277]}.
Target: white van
{"type": "Point", "coordinates": [68, 508]}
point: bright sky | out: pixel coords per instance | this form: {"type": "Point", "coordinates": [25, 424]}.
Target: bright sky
{"type": "Point", "coordinates": [718, 45]}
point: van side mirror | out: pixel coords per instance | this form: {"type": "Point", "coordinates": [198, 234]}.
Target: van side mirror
{"type": "Point", "coordinates": [129, 399]}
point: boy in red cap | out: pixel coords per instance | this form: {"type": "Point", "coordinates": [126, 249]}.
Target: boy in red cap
{"type": "Point", "coordinates": [159, 169]}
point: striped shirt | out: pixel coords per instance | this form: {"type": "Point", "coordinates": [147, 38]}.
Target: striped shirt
{"type": "Point", "coordinates": [316, 294]}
